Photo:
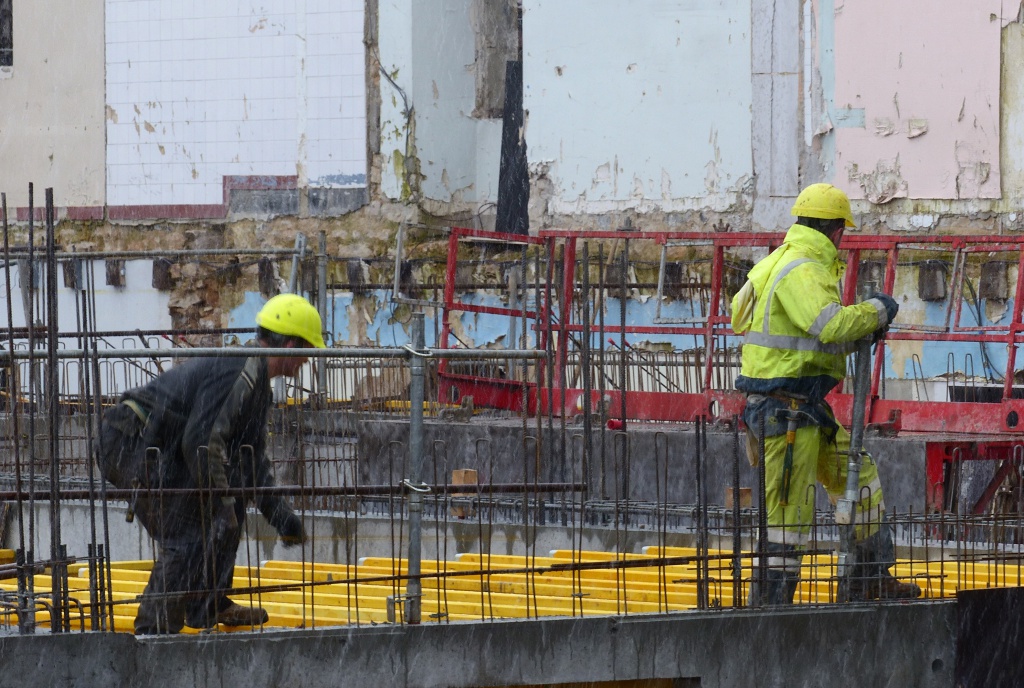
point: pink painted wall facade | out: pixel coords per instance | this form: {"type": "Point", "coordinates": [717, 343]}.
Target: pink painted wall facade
{"type": "Point", "coordinates": [916, 98]}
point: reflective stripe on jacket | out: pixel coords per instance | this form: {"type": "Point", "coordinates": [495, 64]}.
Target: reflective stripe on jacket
{"type": "Point", "coordinates": [798, 327]}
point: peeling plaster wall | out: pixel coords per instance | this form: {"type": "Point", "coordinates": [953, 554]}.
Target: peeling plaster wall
{"type": "Point", "coordinates": [51, 104]}
{"type": "Point", "coordinates": [432, 149]}
{"type": "Point", "coordinates": [197, 92]}
{"type": "Point", "coordinates": [914, 99]}
{"type": "Point", "coordinates": [637, 109]}
{"type": "Point", "coordinates": [362, 320]}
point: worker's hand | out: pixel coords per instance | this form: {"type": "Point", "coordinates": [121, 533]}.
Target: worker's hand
{"type": "Point", "coordinates": [225, 523]}
{"type": "Point", "coordinates": [291, 531]}
{"type": "Point", "coordinates": [890, 305]}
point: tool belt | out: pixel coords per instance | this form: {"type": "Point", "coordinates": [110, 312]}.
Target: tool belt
{"type": "Point", "coordinates": [776, 407]}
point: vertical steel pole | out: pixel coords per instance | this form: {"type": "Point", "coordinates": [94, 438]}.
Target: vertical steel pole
{"type": "Point", "coordinates": [300, 253]}
{"type": "Point", "coordinates": [604, 407]}
{"type": "Point", "coordinates": [414, 588]}
{"type": "Point", "coordinates": [762, 520]}
{"type": "Point", "coordinates": [28, 295]}
{"type": "Point", "coordinates": [846, 506]}
{"type": "Point", "coordinates": [26, 618]}
{"type": "Point", "coordinates": [293, 288]}
{"type": "Point", "coordinates": [588, 384]}
{"type": "Point", "coordinates": [737, 543]}
{"type": "Point", "coordinates": [321, 304]}
{"type": "Point", "coordinates": [58, 587]}
{"type": "Point", "coordinates": [1011, 348]}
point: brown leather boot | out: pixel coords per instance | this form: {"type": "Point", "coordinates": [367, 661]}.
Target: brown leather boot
{"type": "Point", "coordinates": [237, 615]}
{"type": "Point", "coordinates": [883, 587]}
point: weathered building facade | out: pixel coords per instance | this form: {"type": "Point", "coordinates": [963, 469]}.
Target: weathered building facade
{"type": "Point", "coordinates": [166, 124]}
{"type": "Point", "coordinates": [149, 111]}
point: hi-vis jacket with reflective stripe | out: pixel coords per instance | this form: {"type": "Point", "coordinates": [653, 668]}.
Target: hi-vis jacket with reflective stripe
{"type": "Point", "coordinates": [791, 315]}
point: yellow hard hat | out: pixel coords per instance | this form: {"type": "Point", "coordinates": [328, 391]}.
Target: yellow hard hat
{"type": "Point", "coordinates": [824, 202]}
{"type": "Point", "coordinates": [292, 316]}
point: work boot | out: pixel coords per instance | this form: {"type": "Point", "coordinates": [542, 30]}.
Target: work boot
{"type": "Point", "coordinates": [779, 589]}
{"type": "Point", "coordinates": [871, 579]}
{"type": "Point", "coordinates": [237, 615]}
{"type": "Point", "coordinates": [781, 577]}
{"type": "Point", "coordinates": [882, 587]}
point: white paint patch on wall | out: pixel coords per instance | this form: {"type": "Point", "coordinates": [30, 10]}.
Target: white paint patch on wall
{"type": "Point", "coordinates": [646, 108]}
{"type": "Point", "coordinates": [917, 83]}
{"type": "Point", "coordinates": [428, 48]}
{"type": "Point", "coordinates": [197, 91]}
{"type": "Point", "coordinates": [137, 305]}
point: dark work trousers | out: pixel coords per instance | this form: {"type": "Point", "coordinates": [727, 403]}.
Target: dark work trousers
{"type": "Point", "coordinates": [192, 573]}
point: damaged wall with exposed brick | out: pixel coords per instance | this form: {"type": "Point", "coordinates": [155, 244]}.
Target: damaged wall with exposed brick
{"type": "Point", "coordinates": [246, 128]}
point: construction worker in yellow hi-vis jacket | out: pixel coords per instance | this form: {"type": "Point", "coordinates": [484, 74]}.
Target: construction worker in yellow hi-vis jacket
{"type": "Point", "coordinates": [796, 336]}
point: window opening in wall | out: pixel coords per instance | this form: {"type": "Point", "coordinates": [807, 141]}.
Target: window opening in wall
{"type": "Point", "coordinates": [6, 34]}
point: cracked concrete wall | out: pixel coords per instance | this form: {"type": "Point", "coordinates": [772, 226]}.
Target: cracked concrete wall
{"type": "Point", "coordinates": [621, 120]}
{"type": "Point", "coordinates": [51, 104]}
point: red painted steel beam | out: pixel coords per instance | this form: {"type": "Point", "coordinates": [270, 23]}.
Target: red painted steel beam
{"type": "Point", "coordinates": [914, 416]}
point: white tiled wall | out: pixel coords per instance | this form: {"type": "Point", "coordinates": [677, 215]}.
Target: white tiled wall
{"type": "Point", "coordinates": [200, 90]}
{"type": "Point", "coordinates": [336, 92]}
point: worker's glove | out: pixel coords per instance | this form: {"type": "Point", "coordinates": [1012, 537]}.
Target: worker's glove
{"type": "Point", "coordinates": [890, 305]}
{"type": "Point", "coordinates": [225, 523]}
{"type": "Point", "coordinates": [291, 531]}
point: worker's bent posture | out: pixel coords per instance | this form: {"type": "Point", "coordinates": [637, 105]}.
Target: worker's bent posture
{"type": "Point", "coordinates": [796, 335]}
{"type": "Point", "coordinates": [203, 424]}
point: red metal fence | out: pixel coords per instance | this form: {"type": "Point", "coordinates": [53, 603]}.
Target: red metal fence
{"type": "Point", "coordinates": [981, 420]}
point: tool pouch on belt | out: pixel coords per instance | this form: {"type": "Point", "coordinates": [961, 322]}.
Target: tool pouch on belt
{"type": "Point", "coordinates": [123, 459]}
{"type": "Point", "coordinates": [775, 409]}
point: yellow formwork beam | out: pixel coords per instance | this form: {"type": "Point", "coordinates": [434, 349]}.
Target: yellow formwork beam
{"type": "Point", "coordinates": [479, 594]}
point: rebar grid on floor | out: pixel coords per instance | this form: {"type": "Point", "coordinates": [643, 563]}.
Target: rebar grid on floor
{"type": "Point", "coordinates": [636, 530]}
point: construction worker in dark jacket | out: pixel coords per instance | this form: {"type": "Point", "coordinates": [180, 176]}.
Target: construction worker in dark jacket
{"type": "Point", "coordinates": [204, 424]}
{"type": "Point", "coordinates": [797, 334]}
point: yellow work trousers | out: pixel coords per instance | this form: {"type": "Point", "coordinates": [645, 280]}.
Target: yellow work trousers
{"type": "Point", "coordinates": [790, 516]}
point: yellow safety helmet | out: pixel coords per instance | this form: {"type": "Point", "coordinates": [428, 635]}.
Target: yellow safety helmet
{"type": "Point", "coordinates": [292, 316]}
{"type": "Point", "coordinates": [824, 202]}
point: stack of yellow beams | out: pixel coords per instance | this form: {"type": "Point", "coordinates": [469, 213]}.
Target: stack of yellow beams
{"type": "Point", "coordinates": [482, 587]}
